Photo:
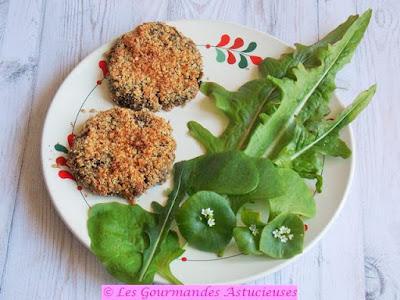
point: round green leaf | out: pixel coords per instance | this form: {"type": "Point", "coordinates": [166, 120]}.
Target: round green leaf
{"type": "Point", "coordinates": [194, 227]}
{"type": "Point", "coordinates": [273, 246]}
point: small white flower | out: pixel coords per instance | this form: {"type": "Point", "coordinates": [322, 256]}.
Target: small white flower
{"type": "Point", "coordinates": [253, 229]}
{"type": "Point", "coordinates": [283, 234]}
{"type": "Point", "coordinates": [211, 222]}
{"type": "Point", "coordinates": [207, 212]}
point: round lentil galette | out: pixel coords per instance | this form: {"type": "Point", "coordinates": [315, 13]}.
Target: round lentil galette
{"type": "Point", "coordinates": [154, 67]}
{"type": "Point", "coordinates": [122, 152]}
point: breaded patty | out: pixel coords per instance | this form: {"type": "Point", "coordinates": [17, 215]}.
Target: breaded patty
{"type": "Point", "coordinates": [154, 67]}
{"type": "Point", "coordinates": [122, 152]}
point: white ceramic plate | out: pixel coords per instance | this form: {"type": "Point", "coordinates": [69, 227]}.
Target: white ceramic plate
{"type": "Point", "coordinates": [82, 94]}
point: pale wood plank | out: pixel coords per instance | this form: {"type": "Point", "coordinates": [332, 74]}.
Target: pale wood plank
{"type": "Point", "coordinates": [3, 18]}
{"type": "Point", "coordinates": [378, 132]}
{"type": "Point", "coordinates": [342, 270]}
{"type": "Point", "coordinates": [17, 77]}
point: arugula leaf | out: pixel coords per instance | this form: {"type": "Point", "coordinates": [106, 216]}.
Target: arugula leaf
{"type": "Point", "coordinates": [157, 234]}
{"type": "Point", "coordinates": [303, 54]}
{"type": "Point", "coordinates": [324, 141]}
{"type": "Point", "coordinates": [303, 88]}
{"type": "Point", "coordinates": [195, 227]}
{"type": "Point", "coordinates": [304, 153]}
{"type": "Point", "coordinates": [242, 109]}
{"type": "Point", "coordinates": [277, 248]}
{"type": "Point", "coordinates": [283, 189]}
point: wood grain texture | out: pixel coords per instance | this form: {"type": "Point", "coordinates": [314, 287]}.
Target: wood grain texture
{"type": "Point", "coordinates": [41, 41]}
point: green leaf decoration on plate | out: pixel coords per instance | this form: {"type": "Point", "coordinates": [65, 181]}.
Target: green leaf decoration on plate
{"type": "Point", "coordinates": [251, 47]}
{"type": "Point", "coordinates": [230, 53]}
{"type": "Point", "coordinates": [220, 55]}
{"type": "Point", "coordinates": [243, 63]}
{"type": "Point", "coordinates": [206, 221]}
{"type": "Point", "coordinates": [61, 148]}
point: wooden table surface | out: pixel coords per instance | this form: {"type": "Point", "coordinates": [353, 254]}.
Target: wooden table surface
{"type": "Point", "coordinates": [41, 41]}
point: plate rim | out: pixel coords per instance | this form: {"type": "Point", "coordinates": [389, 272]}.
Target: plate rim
{"type": "Point", "coordinates": [286, 262]}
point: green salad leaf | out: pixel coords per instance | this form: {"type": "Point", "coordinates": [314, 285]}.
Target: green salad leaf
{"type": "Point", "coordinates": [303, 152]}
{"type": "Point", "coordinates": [283, 237]}
{"type": "Point", "coordinates": [228, 173]}
{"type": "Point", "coordinates": [118, 238]}
{"type": "Point", "coordinates": [206, 221]}
{"type": "Point", "coordinates": [251, 216]}
{"type": "Point", "coordinates": [283, 189]}
{"type": "Point", "coordinates": [314, 84]}
{"type": "Point", "coordinates": [242, 108]}
{"type": "Point", "coordinates": [170, 250]}
{"type": "Point", "coordinates": [248, 239]}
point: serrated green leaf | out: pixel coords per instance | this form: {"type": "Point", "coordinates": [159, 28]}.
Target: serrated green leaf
{"type": "Point", "coordinates": [303, 86]}
{"type": "Point", "coordinates": [242, 109]}
{"type": "Point", "coordinates": [304, 153]}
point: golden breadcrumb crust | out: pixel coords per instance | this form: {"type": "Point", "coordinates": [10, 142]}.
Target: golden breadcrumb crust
{"type": "Point", "coordinates": [122, 152]}
{"type": "Point", "coordinates": [154, 67]}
